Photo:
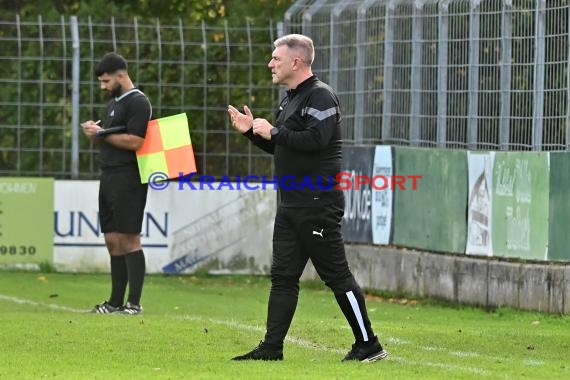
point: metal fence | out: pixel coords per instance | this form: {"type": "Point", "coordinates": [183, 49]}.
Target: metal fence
{"type": "Point", "coordinates": [49, 87]}
{"type": "Point", "coordinates": [468, 74]}
{"type": "Point", "coordinates": [473, 74]}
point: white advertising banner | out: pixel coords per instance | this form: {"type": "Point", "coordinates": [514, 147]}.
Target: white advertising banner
{"type": "Point", "coordinates": [382, 195]}
{"type": "Point", "coordinates": [480, 204]}
{"type": "Point", "coordinates": [216, 230]}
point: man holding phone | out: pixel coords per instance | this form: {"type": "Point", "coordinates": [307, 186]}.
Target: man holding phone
{"type": "Point", "coordinates": [122, 197]}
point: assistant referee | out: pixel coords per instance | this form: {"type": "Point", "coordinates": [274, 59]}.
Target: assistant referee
{"type": "Point", "coordinates": [122, 197]}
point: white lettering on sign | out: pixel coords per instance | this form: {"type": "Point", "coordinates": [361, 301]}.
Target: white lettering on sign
{"type": "Point", "coordinates": [18, 187]}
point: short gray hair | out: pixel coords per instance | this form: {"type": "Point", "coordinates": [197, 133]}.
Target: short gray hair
{"type": "Point", "coordinates": [303, 44]}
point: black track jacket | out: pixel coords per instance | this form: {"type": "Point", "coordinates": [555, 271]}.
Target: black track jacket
{"type": "Point", "coordinates": [307, 149]}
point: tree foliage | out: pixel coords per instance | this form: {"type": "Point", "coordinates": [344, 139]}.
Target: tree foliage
{"type": "Point", "coordinates": [167, 11]}
{"type": "Point", "coordinates": [36, 140]}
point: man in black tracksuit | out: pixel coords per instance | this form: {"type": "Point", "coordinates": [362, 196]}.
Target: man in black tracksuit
{"type": "Point", "coordinates": [306, 144]}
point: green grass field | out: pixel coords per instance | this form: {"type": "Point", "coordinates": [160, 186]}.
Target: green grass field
{"type": "Point", "coordinates": [192, 326]}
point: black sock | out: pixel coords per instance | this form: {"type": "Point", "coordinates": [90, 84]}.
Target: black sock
{"type": "Point", "coordinates": [119, 280]}
{"type": "Point", "coordinates": [136, 270]}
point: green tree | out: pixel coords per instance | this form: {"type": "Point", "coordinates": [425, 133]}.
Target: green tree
{"type": "Point", "coordinates": [36, 140]}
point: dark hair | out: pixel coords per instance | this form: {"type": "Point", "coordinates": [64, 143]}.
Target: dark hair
{"type": "Point", "coordinates": [110, 64]}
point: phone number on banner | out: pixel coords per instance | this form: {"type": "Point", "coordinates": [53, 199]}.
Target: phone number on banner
{"type": "Point", "coordinates": [17, 250]}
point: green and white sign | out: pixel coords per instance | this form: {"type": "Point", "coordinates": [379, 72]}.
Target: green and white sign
{"type": "Point", "coordinates": [520, 205]}
{"type": "Point", "coordinates": [26, 220]}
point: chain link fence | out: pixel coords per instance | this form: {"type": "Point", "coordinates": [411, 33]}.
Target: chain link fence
{"type": "Point", "coordinates": [49, 87]}
{"type": "Point", "coordinates": [467, 74]}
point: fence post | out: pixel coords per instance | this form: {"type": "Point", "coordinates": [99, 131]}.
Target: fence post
{"type": "Point", "coordinates": [416, 74]}
{"type": "Point", "coordinates": [388, 72]}
{"type": "Point", "coordinates": [287, 25]}
{"type": "Point", "coordinates": [137, 50]}
{"type": "Point", "coordinates": [568, 88]}
{"type": "Point", "coordinates": [114, 33]}
{"type": "Point", "coordinates": [506, 48]}
{"type": "Point", "coordinates": [334, 36]}
{"type": "Point", "coordinates": [228, 90]}
{"type": "Point", "coordinates": [308, 17]}
{"type": "Point", "coordinates": [473, 111]}
{"type": "Point", "coordinates": [183, 63]}
{"type": "Point", "coordinates": [91, 59]}
{"type": "Point", "coordinates": [442, 59]}
{"type": "Point", "coordinates": [249, 85]}
{"type": "Point", "coordinates": [360, 77]}
{"type": "Point", "coordinates": [19, 100]}
{"type": "Point", "coordinates": [74, 97]}
{"type": "Point", "coordinates": [42, 93]}
{"type": "Point", "coordinates": [538, 95]}
{"type": "Point", "coordinates": [204, 97]}
{"type": "Point", "coordinates": [159, 73]}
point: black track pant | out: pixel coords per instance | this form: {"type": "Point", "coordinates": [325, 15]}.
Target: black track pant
{"type": "Point", "coordinates": [311, 233]}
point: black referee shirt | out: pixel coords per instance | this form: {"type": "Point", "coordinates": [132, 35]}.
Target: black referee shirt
{"type": "Point", "coordinates": [133, 110]}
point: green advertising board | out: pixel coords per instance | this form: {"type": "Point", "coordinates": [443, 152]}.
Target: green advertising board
{"type": "Point", "coordinates": [559, 210]}
{"type": "Point", "coordinates": [26, 221]}
{"type": "Point", "coordinates": [433, 216]}
{"type": "Point", "coordinates": [520, 205]}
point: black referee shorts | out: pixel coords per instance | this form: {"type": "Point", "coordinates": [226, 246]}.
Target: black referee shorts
{"type": "Point", "coordinates": [122, 199]}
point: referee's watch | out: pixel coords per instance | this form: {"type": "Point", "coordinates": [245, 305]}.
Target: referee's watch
{"type": "Point", "coordinates": [274, 131]}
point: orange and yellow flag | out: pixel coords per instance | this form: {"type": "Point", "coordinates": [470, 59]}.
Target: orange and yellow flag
{"type": "Point", "coordinates": [167, 148]}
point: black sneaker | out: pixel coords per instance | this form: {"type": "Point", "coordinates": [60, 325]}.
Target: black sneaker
{"type": "Point", "coordinates": [366, 352]}
{"type": "Point", "coordinates": [131, 309]}
{"type": "Point", "coordinates": [262, 352]}
{"type": "Point", "coordinates": [105, 308]}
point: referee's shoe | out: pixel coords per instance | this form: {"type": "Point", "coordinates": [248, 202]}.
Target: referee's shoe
{"type": "Point", "coordinates": [131, 309]}
{"type": "Point", "coordinates": [366, 352]}
{"type": "Point", "coordinates": [105, 308]}
{"type": "Point", "coordinates": [264, 351]}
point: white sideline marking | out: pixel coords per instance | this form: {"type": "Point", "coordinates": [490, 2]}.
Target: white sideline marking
{"type": "Point", "coordinates": [288, 338]}
{"type": "Point", "coordinates": [398, 341]}
{"type": "Point", "coordinates": [34, 303]}
{"type": "Point", "coordinates": [479, 371]}
{"type": "Point", "coordinates": [310, 345]}
{"type": "Point", "coordinates": [304, 343]}
{"type": "Point", "coordinates": [462, 354]}
{"type": "Point", "coordinates": [534, 363]}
